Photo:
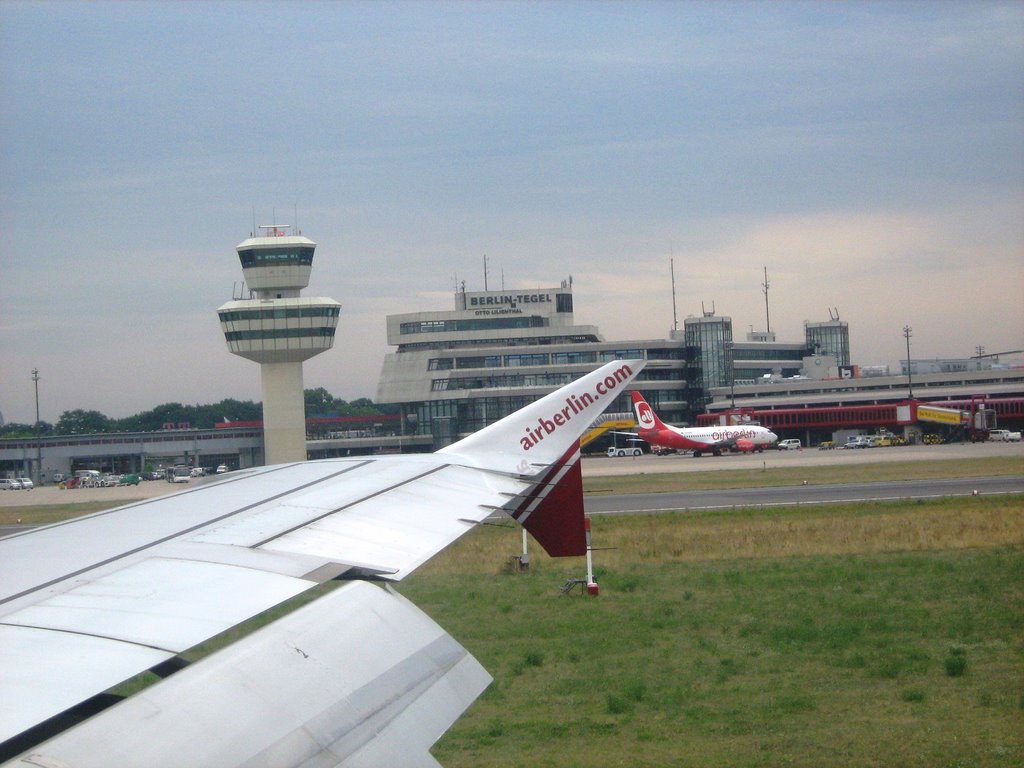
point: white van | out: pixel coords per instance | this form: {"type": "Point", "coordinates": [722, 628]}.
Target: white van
{"type": "Point", "coordinates": [1004, 436]}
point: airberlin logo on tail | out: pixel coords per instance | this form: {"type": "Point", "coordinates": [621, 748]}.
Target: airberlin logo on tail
{"type": "Point", "coordinates": [574, 404]}
{"type": "Point", "coordinates": [645, 415]}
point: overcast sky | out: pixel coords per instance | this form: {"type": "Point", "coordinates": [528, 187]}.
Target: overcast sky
{"type": "Point", "coordinates": [870, 155]}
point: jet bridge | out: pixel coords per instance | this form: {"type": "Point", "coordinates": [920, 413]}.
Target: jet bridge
{"type": "Point", "coordinates": [605, 423]}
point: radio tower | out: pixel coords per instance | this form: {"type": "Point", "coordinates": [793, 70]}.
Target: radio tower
{"type": "Point", "coordinates": [278, 329]}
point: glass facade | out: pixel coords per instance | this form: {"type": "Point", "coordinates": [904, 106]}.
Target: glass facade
{"type": "Point", "coordinates": [711, 338]}
{"type": "Point", "coordinates": [829, 338]}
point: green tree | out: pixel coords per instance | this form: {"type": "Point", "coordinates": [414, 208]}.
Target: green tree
{"type": "Point", "coordinates": [81, 422]}
{"type": "Point", "coordinates": [14, 429]}
{"type": "Point", "coordinates": [320, 402]}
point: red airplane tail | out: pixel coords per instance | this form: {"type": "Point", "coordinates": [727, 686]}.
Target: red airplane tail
{"type": "Point", "coordinates": [646, 418]}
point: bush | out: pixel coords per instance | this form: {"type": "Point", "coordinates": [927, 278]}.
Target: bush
{"type": "Point", "coordinates": [956, 662]}
{"type": "Point", "coordinates": [534, 659]}
{"type": "Point", "coordinates": [618, 704]}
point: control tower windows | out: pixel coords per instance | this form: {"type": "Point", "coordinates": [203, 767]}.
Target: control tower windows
{"type": "Point", "coordinates": [276, 257]}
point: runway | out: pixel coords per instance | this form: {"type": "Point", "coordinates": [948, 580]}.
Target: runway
{"type": "Point", "coordinates": [809, 494]}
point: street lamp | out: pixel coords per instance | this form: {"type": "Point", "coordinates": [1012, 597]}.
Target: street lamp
{"type": "Point", "coordinates": [39, 447]}
{"type": "Point", "coordinates": [907, 333]}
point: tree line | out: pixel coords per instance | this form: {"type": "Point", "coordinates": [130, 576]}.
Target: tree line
{"type": "Point", "coordinates": [319, 402]}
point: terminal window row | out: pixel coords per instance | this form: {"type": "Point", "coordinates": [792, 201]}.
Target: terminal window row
{"type": "Point", "coordinates": [740, 353]}
{"type": "Point", "coordinates": [531, 359]}
{"type": "Point", "coordinates": [407, 346]}
{"type": "Point", "coordinates": [520, 380]}
{"type": "Point", "coordinates": [483, 324]}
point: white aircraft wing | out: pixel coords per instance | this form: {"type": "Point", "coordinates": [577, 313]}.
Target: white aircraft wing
{"type": "Point", "coordinates": [357, 677]}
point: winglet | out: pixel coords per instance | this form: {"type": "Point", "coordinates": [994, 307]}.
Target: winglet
{"type": "Point", "coordinates": [542, 441]}
{"type": "Point", "coordinates": [553, 510]}
{"type": "Point", "coordinates": [540, 434]}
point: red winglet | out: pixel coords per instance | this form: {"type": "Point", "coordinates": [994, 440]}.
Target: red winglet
{"type": "Point", "coordinates": [557, 522]}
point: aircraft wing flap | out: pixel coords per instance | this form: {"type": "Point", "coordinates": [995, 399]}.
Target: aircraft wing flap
{"type": "Point", "coordinates": [42, 672]}
{"type": "Point", "coordinates": [161, 603]}
{"type": "Point", "coordinates": [396, 531]}
{"type": "Point", "coordinates": [333, 492]}
{"type": "Point", "coordinates": [289, 694]}
{"type": "Point", "coordinates": [111, 628]}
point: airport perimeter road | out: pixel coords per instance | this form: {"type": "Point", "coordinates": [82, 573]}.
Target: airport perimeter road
{"type": "Point", "coordinates": [600, 466]}
{"type": "Point", "coordinates": [597, 504]}
{"type": "Point", "coordinates": [115, 496]}
{"type": "Point", "coordinates": [597, 466]}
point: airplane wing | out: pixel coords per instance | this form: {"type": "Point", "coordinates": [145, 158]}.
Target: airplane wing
{"type": "Point", "coordinates": [357, 677]}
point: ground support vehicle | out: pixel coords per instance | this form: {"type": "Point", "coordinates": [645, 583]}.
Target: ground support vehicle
{"type": "Point", "coordinates": [634, 451]}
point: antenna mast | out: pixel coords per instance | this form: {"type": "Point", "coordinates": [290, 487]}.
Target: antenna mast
{"type": "Point", "coordinates": [485, 272]}
{"type": "Point", "coordinates": [672, 269]}
{"type": "Point", "coordinates": [767, 317]}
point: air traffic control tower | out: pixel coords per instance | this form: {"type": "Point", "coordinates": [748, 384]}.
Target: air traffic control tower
{"type": "Point", "coordinates": [279, 330]}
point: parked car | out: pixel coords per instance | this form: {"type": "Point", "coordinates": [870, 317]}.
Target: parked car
{"type": "Point", "coordinates": [790, 444]}
{"type": "Point", "coordinates": [26, 483]}
{"type": "Point", "coordinates": [1004, 436]}
{"type": "Point", "coordinates": [857, 441]}
{"type": "Point", "coordinates": [221, 469]}
{"type": "Point", "coordinates": [130, 479]}
{"type": "Point", "coordinates": [9, 484]}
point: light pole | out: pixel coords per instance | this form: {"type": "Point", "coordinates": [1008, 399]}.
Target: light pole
{"type": "Point", "coordinates": [39, 447]}
{"type": "Point", "coordinates": [907, 333]}
{"type": "Point", "coordinates": [729, 351]}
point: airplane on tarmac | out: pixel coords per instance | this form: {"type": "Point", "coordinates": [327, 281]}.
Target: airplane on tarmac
{"type": "Point", "coordinates": [698, 439]}
{"type": "Point", "coordinates": [358, 676]}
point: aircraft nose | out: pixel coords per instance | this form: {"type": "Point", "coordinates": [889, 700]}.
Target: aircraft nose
{"type": "Point", "coordinates": [772, 437]}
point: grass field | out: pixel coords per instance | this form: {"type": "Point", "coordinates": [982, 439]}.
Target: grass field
{"type": "Point", "coordinates": [888, 634]}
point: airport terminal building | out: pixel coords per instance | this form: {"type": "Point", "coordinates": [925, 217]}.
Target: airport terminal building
{"type": "Point", "coordinates": [453, 372]}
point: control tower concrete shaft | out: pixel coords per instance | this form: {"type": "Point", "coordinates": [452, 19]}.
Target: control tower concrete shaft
{"type": "Point", "coordinates": [279, 330]}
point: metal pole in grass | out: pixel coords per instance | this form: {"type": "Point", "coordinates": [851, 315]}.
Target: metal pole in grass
{"type": "Point", "coordinates": [592, 588]}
